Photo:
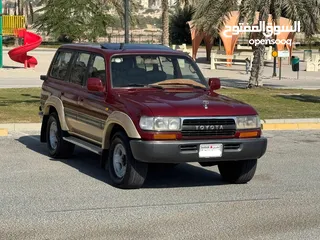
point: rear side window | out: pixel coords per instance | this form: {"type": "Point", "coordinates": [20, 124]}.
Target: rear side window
{"type": "Point", "coordinates": [60, 66]}
{"type": "Point", "coordinates": [79, 69]}
{"type": "Point", "coordinates": [98, 69]}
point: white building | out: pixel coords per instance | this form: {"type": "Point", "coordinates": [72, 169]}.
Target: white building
{"type": "Point", "coordinates": [156, 4]}
{"type": "Point", "coordinates": [144, 3]}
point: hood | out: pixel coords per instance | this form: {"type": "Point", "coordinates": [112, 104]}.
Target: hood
{"type": "Point", "coordinates": [185, 104]}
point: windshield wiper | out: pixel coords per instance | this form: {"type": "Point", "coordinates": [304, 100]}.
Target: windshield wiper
{"type": "Point", "coordinates": [186, 84]}
{"type": "Point", "coordinates": [144, 85]}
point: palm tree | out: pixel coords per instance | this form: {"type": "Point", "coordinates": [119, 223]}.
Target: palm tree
{"type": "Point", "coordinates": [165, 22]}
{"type": "Point", "coordinates": [25, 7]}
{"type": "Point", "coordinates": [179, 29]}
{"type": "Point", "coordinates": [210, 17]}
{"type": "Point", "coordinates": [165, 16]}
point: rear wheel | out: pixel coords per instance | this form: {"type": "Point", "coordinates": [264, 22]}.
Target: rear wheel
{"type": "Point", "coordinates": [238, 172]}
{"type": "Point", "coordinates": [58, 148]}
{"type": "Point", "coordinates": [124, 170]}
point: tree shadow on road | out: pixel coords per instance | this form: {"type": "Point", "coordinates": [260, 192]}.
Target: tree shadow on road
{"type": "Point", "coordinates": [301, 97]}
{"type": "Point", "coordinates": [86, 162]}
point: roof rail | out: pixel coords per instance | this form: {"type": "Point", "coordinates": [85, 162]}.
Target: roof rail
{"type": "Point", "coordinates": [124, 46]}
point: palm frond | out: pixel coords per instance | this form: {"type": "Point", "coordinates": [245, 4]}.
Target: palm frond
{"type": "Point", "coordinates": [210, 16]}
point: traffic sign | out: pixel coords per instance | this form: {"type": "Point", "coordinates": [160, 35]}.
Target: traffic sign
{"type": "Point", "coordinates": [283, 54]}
{"type": "Point", "coordinates": [274, 54]}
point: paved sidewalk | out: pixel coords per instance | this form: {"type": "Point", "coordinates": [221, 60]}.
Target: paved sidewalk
{"type": "Point", "coordinates": [14, 75]}
{"type": "Point", "coordinates": [235, 76]}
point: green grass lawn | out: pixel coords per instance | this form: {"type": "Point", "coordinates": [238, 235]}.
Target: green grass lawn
{"type": "Point", "coordinates": [276, 103]}
{"type": "Point", "coordinates": [19, 105]}
{"type": "Point", "coordinates": [22, 105]}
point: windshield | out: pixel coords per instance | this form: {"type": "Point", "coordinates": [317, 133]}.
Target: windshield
{"type": "Point", "coordinates": [155, 71]}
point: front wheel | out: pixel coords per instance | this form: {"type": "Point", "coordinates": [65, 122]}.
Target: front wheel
{"type": "Point", "coordinates": [238, 172]}
{"type": "Point", "coordinates": [125, 171]}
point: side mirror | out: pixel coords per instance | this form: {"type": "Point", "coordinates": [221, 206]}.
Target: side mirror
{"type": "Point", "coordinates": [214, 84]}
{"type": "Point", "coordinates": [95, 85]}
{"type": "Point", "coordinates": [43, 77]}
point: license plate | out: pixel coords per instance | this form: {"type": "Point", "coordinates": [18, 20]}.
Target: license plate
{"type": "Point", "coordinates": [210, 150]}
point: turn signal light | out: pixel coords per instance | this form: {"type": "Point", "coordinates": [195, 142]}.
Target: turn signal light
{"type": "Point", "coordinates": [249, 134]}
{"type": "Point", "coordinates": [165, 136]}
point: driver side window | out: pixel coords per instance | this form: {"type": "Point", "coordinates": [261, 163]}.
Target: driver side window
{"type": "Point", "coordinates": [98, 69]}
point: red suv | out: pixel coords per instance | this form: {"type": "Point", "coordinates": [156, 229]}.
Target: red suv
{"type": "Point", "coordinates": [140, 104]}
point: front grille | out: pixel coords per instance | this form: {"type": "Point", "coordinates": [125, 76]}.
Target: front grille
{"type": "Point", "coordinates": [208, 127]}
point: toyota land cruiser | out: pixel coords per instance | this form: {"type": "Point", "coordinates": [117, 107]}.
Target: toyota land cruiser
{"type": "Point", "coordinates": [136, 104]}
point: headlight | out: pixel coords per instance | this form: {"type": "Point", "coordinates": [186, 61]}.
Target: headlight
{"type": "Point", "coordinates": [247, 122]}
{"type": "Point", "coordinates": [160, 123]}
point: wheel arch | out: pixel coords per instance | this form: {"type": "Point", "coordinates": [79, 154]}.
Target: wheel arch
{"type": "Point", "coordinates": [55, 104]}
{"type": "Point", "coordinates": [118, 121]}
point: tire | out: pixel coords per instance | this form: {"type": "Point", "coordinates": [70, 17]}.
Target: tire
{"type": "Point", "coordinates": [238, 172]}
{"type": "Point", "coordinates": [58, 148]}
{"type": "Point", "coordinates": [125, 171]}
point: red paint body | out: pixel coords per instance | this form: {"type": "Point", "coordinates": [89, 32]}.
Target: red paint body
{"type": "Point", "coordinates": [30, 42]}
{"type": "Point", "coordinates": [173, 102]}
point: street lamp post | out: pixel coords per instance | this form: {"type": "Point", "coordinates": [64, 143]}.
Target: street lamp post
{"type": "Point", "coordinates": [1, 48]}
{"type": "Point", "coordinates": [126, 21]}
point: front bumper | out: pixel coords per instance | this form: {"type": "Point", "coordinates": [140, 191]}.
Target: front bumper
{"type": "Point", "coordinates": [188, 151]}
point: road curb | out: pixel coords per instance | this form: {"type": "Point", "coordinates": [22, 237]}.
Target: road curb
{"type": "Point", "coordinates": [5, 128]}
{"type": "Point", "coordinates": [3, 132]}
{"type": "Point", "coordinates": [291, 124]}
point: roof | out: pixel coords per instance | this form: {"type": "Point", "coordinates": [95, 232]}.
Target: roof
{"type": "Point", "coordinates": [122, 47]}
{"type": "Point", "coordinates": [133, 46]}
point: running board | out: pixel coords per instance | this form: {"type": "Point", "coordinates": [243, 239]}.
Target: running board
{"type": "Point", "coordinates": [81, 143]}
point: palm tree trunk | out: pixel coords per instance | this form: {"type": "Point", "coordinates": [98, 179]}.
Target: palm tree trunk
{"type": "Point", "coordinates": [259, 50]}
{"type": "Point", "coordinates": [19, 7]}
{"type": "Point", "coordinates": [165, 22]}
{"type": "Point", "coordinates": [26, 13]}
{"type": "Point", "coordinates": [31, 12]}
{"type": "Point", "coordinates": [15, 8]}
{"type": "Point", "coordinates": [5, 9]}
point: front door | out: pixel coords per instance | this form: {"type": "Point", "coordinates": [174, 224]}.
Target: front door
{"type": "Point", "coordinates": [93, 110]}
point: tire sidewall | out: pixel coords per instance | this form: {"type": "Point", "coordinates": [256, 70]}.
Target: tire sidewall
{"type": "Point", "coordinates": [119, 139]}
{"type": "Point", "coordinates": [53, 118]}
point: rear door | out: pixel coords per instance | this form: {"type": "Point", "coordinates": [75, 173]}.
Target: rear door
{"type": "Point", "coordinates": [93, 110]}
{"type": "Point", "coordinates": [59, 82]}
{"type": "Point", "coordinates": [76, 90]}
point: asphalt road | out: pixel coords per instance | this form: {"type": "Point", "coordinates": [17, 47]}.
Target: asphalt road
{"type": "Point", "coordinates": [41, 198]}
